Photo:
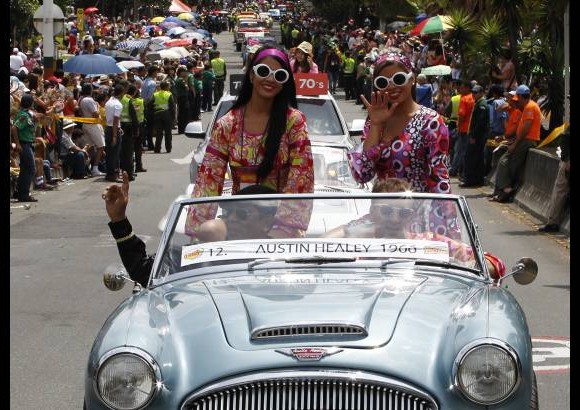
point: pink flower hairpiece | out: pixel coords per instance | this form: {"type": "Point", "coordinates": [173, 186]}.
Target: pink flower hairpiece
{"type": "Point", "coordinates": [395, 57]}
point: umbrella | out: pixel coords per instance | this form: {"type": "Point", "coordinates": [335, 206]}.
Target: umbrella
{"type": "Point", "coordinates": [90, 10]}
{"type": "Point", "coordinates": [396, 25]}
{"type": "Point", "coordinates": [435, 24]}
{"type": "Point", "coordinates": [178, 42]}
{"type": "Point", "coordinates": [168, 24]}
{"type": "Point", "coordinates": [175, 31]}
{"type": "Point", "coordinates": [182, 51]}
{"type": "Point", "coordinates": [120, 55]}
{"type": "Point", "coordinates": [437, 70]}
{"type": "Point", "coordinates": [131, 44]}
{"type": "Point", "coordinates": [160, 39]}
{"type": "Point", "coordinates": [91, 64]}
{"type": "Point", "coordinates": [161, 54]}
{"type": "Point", "coordinates": [185, 16]}
{"type": "Point", "coordinates": [130, 64]}
{"type": "Point", "coordinates": [202, 31]}
{"type": "Point", "coordinates": [175, 20]}
{"type": "Point", "coordinates": [157, 19]}
{"type": "Point", "coordinates": [189, 34]}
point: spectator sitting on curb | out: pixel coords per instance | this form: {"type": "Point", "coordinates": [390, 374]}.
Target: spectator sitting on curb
{"type": "Point", "coordinates": [511, 163]}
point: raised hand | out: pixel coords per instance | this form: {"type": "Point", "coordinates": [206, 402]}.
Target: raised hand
{"type": "Point", "coordinates": [116, 199]}
{"type": "Point", "coordinates": [378, 109]}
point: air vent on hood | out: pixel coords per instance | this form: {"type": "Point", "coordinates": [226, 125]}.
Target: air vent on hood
{"type": "Point", "coordinates": [309, 330]}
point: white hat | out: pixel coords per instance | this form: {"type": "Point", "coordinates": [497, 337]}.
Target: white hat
{"type": "Point", "coordinates": [68, 123]}
{"type": "Point", "coordinates": [15, 50]}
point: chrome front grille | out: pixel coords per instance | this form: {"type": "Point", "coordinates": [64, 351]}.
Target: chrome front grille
{"type": "Point", "coordinates": [331, 390]}
{"type": "Point", "coordinates": [309, 330]}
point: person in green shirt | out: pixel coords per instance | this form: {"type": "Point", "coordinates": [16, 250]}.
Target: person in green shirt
{"type": "Point", "coordinates": [208, 78]}
{"type": "Point", "coordinates": [24, 124]}
{"type": "Point", "coordinates": [198, 83]}
{"type": "Point", "coordinates": [182, 97]}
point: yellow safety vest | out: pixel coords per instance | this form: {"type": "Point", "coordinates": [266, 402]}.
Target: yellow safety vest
{"type": "Point", "coordinates": [125, 117]}
{"type": "Point", "coordinates": [139, 106]}
{"type": "Point", "coordinates": [161, 100]}
{"type": "Point", "coordinates": [455, 106]}
{"type": "Point", "coordinates": [219, 66]}
{"type": "Point", "coordinates": [349, 65]}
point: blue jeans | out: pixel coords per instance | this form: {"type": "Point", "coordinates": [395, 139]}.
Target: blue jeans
{"type": "Point", "coordinates": [76, 162]}
{"type": "Point", "coordinates": [112, 153]}
{"type": "Point", "coordinates": [459, 155]}
{"type": "Point", "coordinates": [332, 80]}
{"type": "Point", "coordinates": [27, 170]}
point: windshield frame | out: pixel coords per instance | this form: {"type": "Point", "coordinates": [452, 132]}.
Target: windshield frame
{"type": "Point", "coordinates": [157, 278]}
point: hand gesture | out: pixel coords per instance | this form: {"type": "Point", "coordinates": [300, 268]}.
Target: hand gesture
{"type": "Point", "coordinates": [378, 109]}
{"type": "Point", "coordinates": [116, 199]}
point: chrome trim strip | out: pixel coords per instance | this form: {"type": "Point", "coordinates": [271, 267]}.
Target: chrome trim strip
{"type": "Point", "coordinates": [142, 354]}
{"type": "Point", "coordinates": [309, 329]}
{"type": "Point", "coordinates": [483, 342]}
{"type": "Point", "coordinates": [318, 374]}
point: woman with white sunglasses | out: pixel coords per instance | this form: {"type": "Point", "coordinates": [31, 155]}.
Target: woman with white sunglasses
{"type": "Point", "coordinates": [401, 139]}
{"type": "Point", "coordinates": [264, 140]}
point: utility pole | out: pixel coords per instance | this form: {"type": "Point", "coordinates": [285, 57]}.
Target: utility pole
{"type": "Point", "coordinates": [49, 21]}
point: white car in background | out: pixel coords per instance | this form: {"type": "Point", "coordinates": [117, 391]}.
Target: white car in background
{"type": "Point", "coordinates": [329, 135]}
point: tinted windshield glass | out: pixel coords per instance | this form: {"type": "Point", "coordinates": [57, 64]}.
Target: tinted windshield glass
{"type": "Point", "coordinates": [366, 228]}
{"type": "Point", "coordinates": [321, 116]}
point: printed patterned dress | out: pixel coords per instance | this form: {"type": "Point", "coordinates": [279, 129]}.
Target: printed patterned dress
{"type": "Point", "coordinates": [230, 144]}
{"type": "Point", "coordinates": [417, 155]}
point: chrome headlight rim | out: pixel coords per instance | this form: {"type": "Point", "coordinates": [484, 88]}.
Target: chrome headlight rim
{"type": "Point", "coordinates": [483, 343]}
{"type": "Point", "coordinates": [135, 351]}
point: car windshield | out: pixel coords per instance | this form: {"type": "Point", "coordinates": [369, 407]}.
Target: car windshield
{"type": "Point", "coordinates": [204, 235]}
{"type": "Point", "coordinates": [321, 117]}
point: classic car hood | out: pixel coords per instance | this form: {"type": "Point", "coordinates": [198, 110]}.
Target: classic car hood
{"type": "Point", "coordinates": [408, 322]}
{"type": "Point", "coordinates": [356, 311]}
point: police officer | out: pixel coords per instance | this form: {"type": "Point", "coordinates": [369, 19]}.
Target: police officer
{"type": "Point", "coordinates": [130, 125]}
{"type": "Point", "coordinates": [348, 73]}
{"type": "Point", "coordinates": [163, 108]}
{"type": "Point", "coordinates": [139, 106]}
{"type": "Point", "coordinates": [218, 65]}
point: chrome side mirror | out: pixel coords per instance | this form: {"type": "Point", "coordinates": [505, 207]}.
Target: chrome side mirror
{"type": "Point", "coordinates": [524, 272]}
{"type": "Point", "coordinates": [115, 277]}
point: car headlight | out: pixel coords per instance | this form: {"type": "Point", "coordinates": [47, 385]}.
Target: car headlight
{"type": "Point", "coordinates": [487, 373]}
{"type": "Point", "coordinates": [127, 379]}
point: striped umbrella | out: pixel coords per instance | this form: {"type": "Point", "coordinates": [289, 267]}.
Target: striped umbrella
{"type": "Point", "coordinates": [133, 44]}
{"type": "Point", "coordinates": [430, 25]}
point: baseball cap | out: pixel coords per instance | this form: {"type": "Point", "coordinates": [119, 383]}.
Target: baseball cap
{"type": "Point", "coordinates": [523, 90]}
{"type": "Point", "coordinates": [54, 79]}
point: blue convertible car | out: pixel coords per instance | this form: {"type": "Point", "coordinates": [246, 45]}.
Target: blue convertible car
{"type": "Point", "coordinates": [317, 301]}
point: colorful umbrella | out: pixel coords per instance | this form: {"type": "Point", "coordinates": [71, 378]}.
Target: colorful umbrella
{"type": "Point", "coordinates": [437, 70]}
{"type": "Point", "coordinates": [156, 20]}
{"type": "Point", "coordinates": [178, 42]}
{"type": "Point", "coordinates": [185, 16]}
{"type": "Point", "coordinates": [90, 10]}
{"type": "Point", "coordinates": [435, 24]}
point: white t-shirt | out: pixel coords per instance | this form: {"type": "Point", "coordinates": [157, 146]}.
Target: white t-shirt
{"type": "Point", "coordinates": [113, 109]}
{"type": "Point", "coordinates": [88, 106]}
{"type": "Point", "coordinates": [15, 62]}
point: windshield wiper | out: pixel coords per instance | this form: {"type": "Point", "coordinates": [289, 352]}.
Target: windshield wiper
{"type": "Point", "coordinates": [427, 262]}
{"type": "Point", "coordinates": [319, 260]}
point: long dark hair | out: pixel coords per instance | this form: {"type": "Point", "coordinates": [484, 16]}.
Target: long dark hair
{"type": "Point", "coordinates": [278, 119]}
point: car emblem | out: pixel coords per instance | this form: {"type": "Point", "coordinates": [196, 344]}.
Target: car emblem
{"type": "Point", "coordinates": [309, 354]}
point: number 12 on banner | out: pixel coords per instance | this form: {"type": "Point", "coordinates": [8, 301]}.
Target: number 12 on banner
{"type": "Point", "coordinates": [311, 84]}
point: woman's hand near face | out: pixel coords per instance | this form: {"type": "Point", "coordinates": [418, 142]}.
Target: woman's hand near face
{"type": "Point", "coordinates": [378, 109]}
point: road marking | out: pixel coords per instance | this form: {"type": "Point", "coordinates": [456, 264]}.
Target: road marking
{"type": "Point", "coordinates": [551, 355]}
{"type": "Point", "coordinates": [184, 160]}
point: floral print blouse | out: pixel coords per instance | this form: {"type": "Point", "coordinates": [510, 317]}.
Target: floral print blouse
{"type": "Point", "coordinates": [230, 144]}
{"type": "Point", "coordinates": [416, 155]}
